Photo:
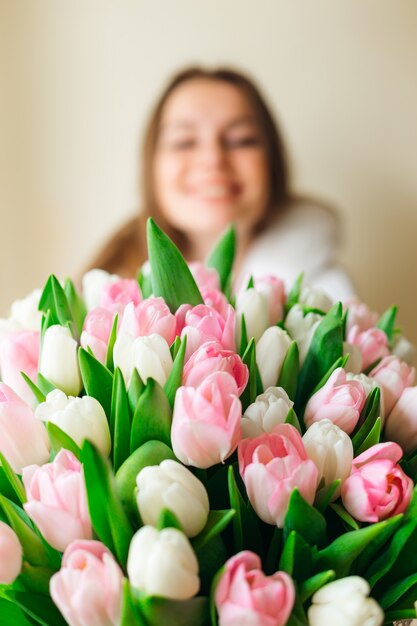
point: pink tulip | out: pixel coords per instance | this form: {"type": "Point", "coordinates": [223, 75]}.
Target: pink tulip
{"type": "Point", "coordinates": [339, 400]}
{"type": "Point", "coordinates": [401, 425]}
{"type": "Point", "coordinates": [23, 438]}
{"type": "Point", "coordinates": [57, 500]}
{"type": "Point", "coordinates": [19, 352]}
{"type": "Point", "coordinates": [359, 314]}
{"type": "Point", "coordinates": [373, 344]}
{"type": "Point", "coordinates": [244, 595]}
{"type": "Point", "coordinates": [272, 465]}
{"type": "Point", "coordinates": [11, 554]}
{"type": "Point", "coordinates": [205, 277]}
{"type": "Point", "coordinates": [216, 299]}
{"type": "Point", "coordinates": [96, 332]}
{"type": "Point", "coordinates": [152, 316]}
{"type": "Point", "coordinates": [206, 421]}
{"type": "Point", "coordinates": [274, 290]}
{"type": "Point", "coordinates": [202, 323]}
{"type": "Point", "coordinates": [117, 294]}
{"type": "Point", "coordinates": [212, 357]}
{"type": "Point", "coordinates": [377, 487]}
{"type": "Point", "coordinates": [393, 376]}
{"type": "Point", "coordinates": [88, 587]}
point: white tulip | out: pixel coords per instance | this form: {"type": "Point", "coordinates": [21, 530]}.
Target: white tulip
{"type": "Point", "coordinates": [25, 311]}
{"type": "Point", "coordinates": [172, 486]}
{"type": "Point", "coordinates": [149, 355]}
{"type": "Point", "coordinates": [93, 283]}
{"type": "Point", "coordinates": [404, 349]}
{"type": "Point", "coordinates": [269, 409]}
{"type": "Point", "coordinates": [271, 350]}
{"type": "Point", "coordinates": [331, 450]}
{"type": "Point", "coordinates": [80, 418]}
{"type": "Point", "coordinates": [302, 328]}
{"type": "Point", "coordinates": [354, 362]}
{"type": "Point", "coordinates": [369, 385]}
{"type": "Point", "coordinates": [59, 361]}
{"type": "Point", "coordinates": [345, 602]}
{"type": "Point", "coordinates": [255, 307]}
{"type": "Point", "coordinates": [163, 563]}
{"type": "Point", "coordinates": [315, 298]}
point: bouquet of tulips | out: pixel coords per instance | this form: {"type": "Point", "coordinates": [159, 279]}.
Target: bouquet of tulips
{"type": "Point", "coordinates": [173, 453]}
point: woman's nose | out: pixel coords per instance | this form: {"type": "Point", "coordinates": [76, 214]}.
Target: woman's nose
{"type": "Point", "coordinates": [213, 153]}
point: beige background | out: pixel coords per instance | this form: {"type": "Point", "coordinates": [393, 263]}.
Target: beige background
{"type": "Point", "coordinates": [78, 78]}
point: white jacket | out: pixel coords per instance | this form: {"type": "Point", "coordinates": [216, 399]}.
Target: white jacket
{"type": "Point", "coordinates": [304, 239]}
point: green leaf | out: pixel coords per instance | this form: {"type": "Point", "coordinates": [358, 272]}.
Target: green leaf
{"type": "Point", "coordinates": [347, 519]}
{"type": "Point", "coordinates": [294, 294]}
{"type": "Point", "coordinates": [76, 305]}
{"type": "Point", "coordinates": [223, 255]}
{"type": "Point", "coordinates": [97, 380]}
{"type": "Point", "coordinates": [305, 520]}
{"type": "Point", "coordinates": [168, 519]}
{"type": "Point", "coordinates": [296, 557]}
{"type": "Point", "coordinates": [174, 380]}
{"type": "Point", "coordinates": [399, 616]}
{"type": "Point", "coordinates": [243, 336]}
{"type": "Point", "coordinates": [40, 397]}
{"type": "Point", "coordinates": [341, 362]}
{"type": "Point", "coordinates": [144, 279]}
{"type": "Point", "coordinates": [160, 611]}
{"type": "Point", "coordinates": [372, 439]}
{"type": "Point", "coordinates": [152, 418]}
{"type": "Point", "coordinates": [313, 584]}
{"type": "Point", "coordinates": [53, 298]}
{"type": "Point", "coordinates": [110, 345]}
{"type": "Point", "coordinates": [14, 481]}
{"type": "Point", "coordinates": [43, 610]}
{"type": "Point", "coordinates": [343, 551]}
{"type": "Point", "coordinates": [216, 523]}
{"type": "Point", "coordinates": [367, 419]}
{"type": "Point", "coordinates": [289, 371]}
{"type": "Point", "coordinates": [44, 384]}
{"type": "Point", "coordinates": [213, 610]}
{"type": "Point", "coordinates": [120, 421]}
{"type": "Point", "coordinates": [136, 388]}
{"type": "Point", "coordinates": [325, 349]}
{"type": "Point", "coordinates": [130, 614]}
{"type": "Point", "coordinates": [387, 323]}
{"type": "Point", "coordinates": [33, 548]}
{"type": "Point", "coordinates": [36, 577]}
{"type": "Point", "coordinates": [108, 517]}
{"type": "Point", "coordinates": [378, 545]}
{"type": "Point", "coordinates": [60, 440]}
{"type": "Point", "coordinates": [11, 614]}
{"type": "Point", "coordinates": [249, 358]}
{"type": "Point", "coordinates": [273, 552]}
{"type": "Point", "coordinates": [237, 504]}
{"type": "Point", "coordinates": [175, 346]}
{"type": "Point", "coordinates": [398, 590]}
{"type": "Point", "coordinates": [150, 453]}
{"type": "Point", "coordinates": [293, 420]}
{"type": "Point", "coordinates": [171, 277]}
{"type": "Point", "coordinates": [325, 494]}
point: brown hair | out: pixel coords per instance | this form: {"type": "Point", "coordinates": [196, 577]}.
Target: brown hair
{"type": "Point", "coordinates": [127, 249]}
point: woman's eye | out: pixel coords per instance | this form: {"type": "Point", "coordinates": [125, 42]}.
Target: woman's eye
{"type": "Point", "coordinates": [182, 144]}
{"type": "Point", "coordinates": [245, 141]}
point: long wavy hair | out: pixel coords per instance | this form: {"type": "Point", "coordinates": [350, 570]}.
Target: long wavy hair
{"type": "Point", "coordinates": [126, 250]}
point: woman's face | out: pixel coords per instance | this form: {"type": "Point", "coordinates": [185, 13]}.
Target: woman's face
{"type": "Point", "coordinates": [210, 164]}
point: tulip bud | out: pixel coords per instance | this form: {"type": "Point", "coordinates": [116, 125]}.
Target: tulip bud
{"type": "Point", "coordinates": [23, 438]}
{"type": "Point", "coordinates": [149, 355]}
{"type": "Point", "coordinates": [354, 362]}
{"type": "Point", "coordinates": [11, 555]}
{"type": "Point", "coordinates": [151, 316]}
{"type": "Point", "coordinates": [254, 306]}
{"type": "Point", "coordinates": [269, 409]}
{"type": "Point", "coordinates": [315, 298]}
{"type": "Point", "coordinates": [404, 349]}
{"type": "Point", "coordinates": [96, 332]}
{"type": "Point", "coordinates": [81, 418]}
{"type": "Point", "coordinates": [331, 450]}
{"type": "Point", "coordinates": [274, 290]}
{"type": "Point", "coordinates": [345, 602]}
{"type": "Point", "coordinates": [116, 295]}
{"type": "Point", "coordinates": [19, 352]}
{"type": "Point", "coordinates": [393, 376]}
{"type": "Point", "coordinates": [359, 314]}
{"type": "Point", "coordinates": [271, 350]}
{"type": "Point", "coordinates": [373, 344]}
{"type": "Point", "coordinates": [401, 424]}
{"type": "Point", "coordinates": [57, 500]}
{"type": "Point", "coordinates": [245, 595]}
{"type": "Point", "coordinates": [205, 277]}
{"type": "Point", "coordinates": [302, 328]}
{"type": "Point", "coordinates": [172, 486]}
{"type": "Point", "coordinates": [93, 283]}
{"type": "Point", "coordinates": [26, 313]}
{"type": "Point", "coordinates": [163, 563]}
{"type": "Point", "coordinates": [88, 587]}
{"type": "Point", "coordinates": [210, 358]}
{"type": "Point", "coordinates": [59, 362]}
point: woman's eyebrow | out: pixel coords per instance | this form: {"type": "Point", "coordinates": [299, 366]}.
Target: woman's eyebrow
{"type": "Point", "coordinates": [248, 120]}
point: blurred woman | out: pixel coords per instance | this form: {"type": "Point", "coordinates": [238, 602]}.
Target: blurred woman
{"type": "Point", "coordinates": [213, 155]}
